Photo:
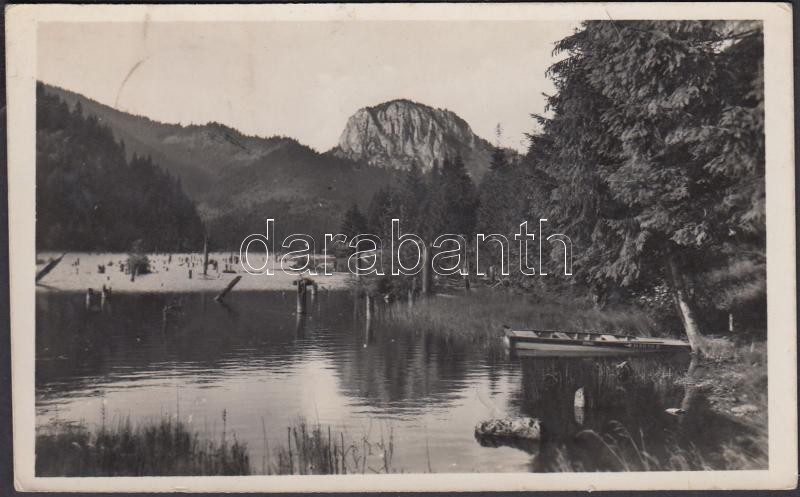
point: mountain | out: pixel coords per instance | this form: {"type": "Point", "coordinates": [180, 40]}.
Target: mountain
{"type": "Point", "coordinates": [236, 179]}
{"type": "Point", "coordinates": [396, 133]}
{"type": "Point", "coordinates": [90, 196]}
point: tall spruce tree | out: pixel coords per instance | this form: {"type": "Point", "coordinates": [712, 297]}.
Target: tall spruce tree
{"type": "Point", "coordinates": [435, 206]}
{"type": "Point", "coordinates": [459, 197]}
{"type": "Point", "coordinates": [412, 198]}
{"type": "Point", "coordinates": [354, 222]}
{"type": "Point", "coordinates": [656, 146]}
{"type": "Point", "coordinates": [384, 206]}
{"type": "Point", "coordinates": [494, 196]}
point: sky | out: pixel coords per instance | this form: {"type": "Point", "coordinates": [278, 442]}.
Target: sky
{"type": "Point", "coordinates": [304, 79]}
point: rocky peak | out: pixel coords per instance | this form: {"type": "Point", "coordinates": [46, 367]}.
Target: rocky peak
{"type": "Point", "coordinates": [396, 133]}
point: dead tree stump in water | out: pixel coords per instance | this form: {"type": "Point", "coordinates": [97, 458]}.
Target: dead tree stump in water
{"type": "Point", "coordinates": [205, 256]}
{"type": "Point", "coordinates": [301, 295]}
{"type": "Point", "coordinates": [227, 289]}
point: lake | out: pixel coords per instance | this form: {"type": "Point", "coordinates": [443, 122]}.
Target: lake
{"type": "Point", "coordinates": [254, 360]}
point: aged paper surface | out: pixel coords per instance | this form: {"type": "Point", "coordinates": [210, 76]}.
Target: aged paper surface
{"type": "Point", "coordinates": [117, 334]}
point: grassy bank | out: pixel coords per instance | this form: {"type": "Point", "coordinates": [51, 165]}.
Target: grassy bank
{"type": "Point", "coordinates": [164, 447]}
{"type": "Point", "coordinates": [734, 392]}
{"type": "Point", "coordinates": [161, 447]}
{"type": "Point", "coordinates": [479, 316]}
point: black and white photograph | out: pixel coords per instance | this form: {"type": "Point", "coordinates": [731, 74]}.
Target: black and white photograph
{"type": "Point", "coordinates": [402, 245]}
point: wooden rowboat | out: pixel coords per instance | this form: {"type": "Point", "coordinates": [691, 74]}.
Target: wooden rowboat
{"type": "Point", "coordinates": [559, 343]}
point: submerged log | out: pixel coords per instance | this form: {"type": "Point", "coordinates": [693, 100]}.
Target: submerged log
{"type": "Point", "coordinates": [49, 267]}
{"type": "Point", "coordinates": [227, 289]}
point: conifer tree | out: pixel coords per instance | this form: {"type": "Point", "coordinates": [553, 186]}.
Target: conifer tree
{"type": "Point", "coordinates": [459, 198]}
{"type": "Point", "coordinates": [656, 146]}
{"type": "Point", "coordinates": [412, 199]}
{"type": "Point", "coordinates": [382, 208]}
{"type": "Point", "coordinates": [90, 197]}
{"type": "Point", "coordinates": [353, 222]}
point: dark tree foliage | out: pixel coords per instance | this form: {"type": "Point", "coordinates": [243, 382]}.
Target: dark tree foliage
{"type": "Point", "coordinates": [412, 195]}
{"type": "Point", "coordinates": [499, 197]}
{"type": "Point", "coordinates": [384, 206]}
{"type": "Point", "coordinates": [446, 203]}
{"type": "Point", "coordinates": [510, 194]}
{"type": "Point", "coordinates": [656, 149]}
{"type": "Point", "coordinates": [354, 223]}
{"type": "Point", "coordinates": [435, 205]}
{"type": "Point", "coordinates": [89, 197]}
{"type": "Point", "coordinates": [459, 197]}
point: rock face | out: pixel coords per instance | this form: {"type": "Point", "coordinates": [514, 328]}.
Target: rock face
{"type": "Point", "coordinates": [517, 428]}
{"type": "Point", "coordinates": [396, 133]}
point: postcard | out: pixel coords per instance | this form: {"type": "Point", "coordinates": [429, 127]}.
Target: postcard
{"type": "Point", "coordinates": [402, 247]}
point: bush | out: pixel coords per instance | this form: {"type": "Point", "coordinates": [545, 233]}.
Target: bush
{"type": "Point", "coordinates": [139, 263]}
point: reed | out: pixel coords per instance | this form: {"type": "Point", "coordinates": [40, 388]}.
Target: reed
{"type": "Point", "coordinates": [724, 384]}
{"type": "Point", "coordinates": [165, 447]}
{"type": "Point", "coordinates": [157, 447]}
{"type": "Point", "coordinates": [316, 449]}
{"type": "Point", "coordinates": [619, 450]}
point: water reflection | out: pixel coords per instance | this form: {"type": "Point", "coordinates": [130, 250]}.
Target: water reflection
{"type": "Point", "coordinates": [263, 362]}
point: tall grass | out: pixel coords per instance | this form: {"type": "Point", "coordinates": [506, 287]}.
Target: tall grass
{"type": "Point", "coordinates": [165, 447]}
{"type": "Point", "coordinates": [149, 448]}
{"type": "Point", "coordinates": [479, 316]}
{"type": "Point", "coordinates": [314, 449]}
{"type": "Point", "coordinates": [734, 439]}
{"type": "Point", "coordinates": [619, 450]}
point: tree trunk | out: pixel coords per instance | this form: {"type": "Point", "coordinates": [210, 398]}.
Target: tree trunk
{"type": "Point", "coordinates": [205, 256]}
{"type": "Point", "coordinates": [684, 305]}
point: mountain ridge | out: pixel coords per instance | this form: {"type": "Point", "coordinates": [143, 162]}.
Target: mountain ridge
{"type": "Point", "coordinates": [230, 175]}
{"type": "Point", "coordinates": [390, 134]}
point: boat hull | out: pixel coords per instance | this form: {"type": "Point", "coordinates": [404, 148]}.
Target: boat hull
{"type": "Point", "coordinates": [585, 348]}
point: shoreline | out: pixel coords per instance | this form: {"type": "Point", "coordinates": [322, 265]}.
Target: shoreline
{"type": "Point", "coordinates": [79, 271]}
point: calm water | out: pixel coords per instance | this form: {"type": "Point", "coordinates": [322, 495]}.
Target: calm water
{"type": "Point", "coordinates": [255, 360]}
